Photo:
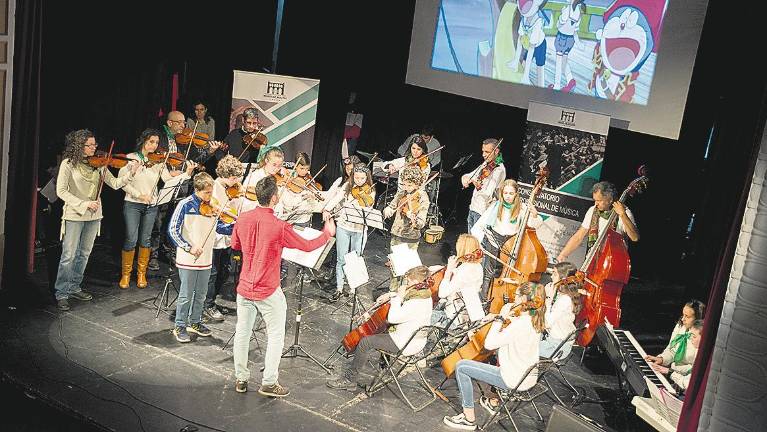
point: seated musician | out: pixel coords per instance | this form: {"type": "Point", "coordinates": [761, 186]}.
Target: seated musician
{"type": "Point", "coordinates": [517, 345]}
{"type": "Point", "coordinates": [499, 222]}
{"type": "Point", "coordinates": [357, 195]}
{"type": "Point", "coordinates": [562, 305]}
{"type": "Point", "coordinates": [681, 375]}
{"type": "Point", "coordinates": [463, 277]}
{"type": "Point", "coordinates": [409, 207]}
{"type": "Point", "coordinates": [410, 310]}
{"type": "Point", "coordinates": [417, 149]}
{"type": "Point", "coordinates": [679, 355]}
{"type": "Point", "coordinates": [604, 195]}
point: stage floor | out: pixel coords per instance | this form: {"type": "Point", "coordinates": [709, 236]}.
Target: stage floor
{"type": "Point", "coordinates": [112, 365]}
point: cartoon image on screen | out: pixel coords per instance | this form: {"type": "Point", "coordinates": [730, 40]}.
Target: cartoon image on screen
{"type": "Point", "coordinates": [601, 48]}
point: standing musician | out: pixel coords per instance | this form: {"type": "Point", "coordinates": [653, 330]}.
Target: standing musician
{"type": "Point", "coordinates": [190, 230]}
{"type": "Point", "coordinates": [427, 136]}
{"type": "Point", "coordinates": [485, 178]}
{"type": "Point", "coordinates": [348, 165]}
{"type": "Point", "coordinates": [515, 333]}
{"type": "Point", "coordinates": [250, 124]}
{"type": "Point", "coordinates": [270, 165]}
{"type": "Point", "coordinates": [409, 207]}
{"type": "Point", "coordinates": [139, 210]}
{"type": "Point", "coordinates": [356, 192]}
{"type": "Point", "coordinates": [79, 184]}
{"type": "Point", "coordinates": [205, 123]}
{"type": "Point", "coordinates": [417, 149]}
{"type": "Point", "coordinates": [604, 194]}
{"type": "Point", "coordinates": [226, 192]}
{"type": "Point", "coordinates": [499, 222]}
{"type": "Point", "coordinates": [261, 237]}
{"type": "Point", "coordinates": [410, 309]}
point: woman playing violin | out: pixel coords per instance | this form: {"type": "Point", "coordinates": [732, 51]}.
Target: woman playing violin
{"type": "Point", "coordinates": [78, 185]}
{"type": "Point", "coordinates": [357, 193]}
{"type": "Point", "coordinates": [515, 333]}
{"type": "Point", "coordinates": [139, 209]}
{"type": "Point", "coordinates": [412, 158]}
{"type": "Point", "coordinates": [499, 222]}
{"type": "Point", "coordinates": [410, 309]}
{"type": "Point", "coordinates": [348, 165]}
{"type": "Point", "coordinates": [234, 139]}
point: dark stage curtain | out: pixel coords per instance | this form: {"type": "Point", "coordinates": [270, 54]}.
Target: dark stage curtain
{"type": "Point", "coordinates": [24, 145]}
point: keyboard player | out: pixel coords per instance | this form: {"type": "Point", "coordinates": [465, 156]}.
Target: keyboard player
{"type": "Point", "coordinates": [682, 378]}
{"type": "Point", "coordinates": [679, 355]}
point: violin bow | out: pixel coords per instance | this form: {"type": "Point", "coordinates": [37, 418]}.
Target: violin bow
{"type": "Point", "coordinates": [103, 172]}
{"type": "Point", "coordinates": [420, 188]}
{"type": "Point", "coordinates": [484, 163]}
{"type": "Point", "coordinates": [416, 160]}
{"type": "Point", "coordinates": [215, 222]}
{"type": "Point", "coordinates": [372, 158]}
{"type": "Point", "coordinates": [248, 145]}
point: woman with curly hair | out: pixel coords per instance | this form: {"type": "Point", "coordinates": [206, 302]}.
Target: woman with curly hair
{"type": "Point", "coordinates": [78, 186]}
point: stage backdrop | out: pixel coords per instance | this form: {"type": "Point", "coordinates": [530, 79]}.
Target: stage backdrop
{"type": "Point", "coordinates": [287, 108]}
{"type": "Point", "coordinates": [571, 143]}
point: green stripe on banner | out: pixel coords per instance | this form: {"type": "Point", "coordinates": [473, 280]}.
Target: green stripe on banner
{"type": "Point", "coordinates": [297, 102]}
{"type": "Point", "coordinates": [292, 125]}
{"type": "Point", "coordinates": [575, 185]}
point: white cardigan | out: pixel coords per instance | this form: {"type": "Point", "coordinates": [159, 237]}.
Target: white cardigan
{"type": "Point", "coordinates": [517, 346]}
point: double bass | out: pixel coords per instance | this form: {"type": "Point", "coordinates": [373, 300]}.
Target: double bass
{"type": "Point", "coordinates": [523, 254]}
{"type": "Point", "coordinates": [606, 270]}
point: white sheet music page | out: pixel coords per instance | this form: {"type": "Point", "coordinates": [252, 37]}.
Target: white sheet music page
{"type": "Point", "coordinates": [355, 270]}
{"type": "Point", "coordinates": [403, 259]}
{"type": "Point", "coordinates": [306, 259]}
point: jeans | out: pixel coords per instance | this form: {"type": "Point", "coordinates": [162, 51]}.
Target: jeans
{"type": "Point", "coordinates": [273, 309]}
{"type": "Point", "coordinates": [365, 347]}
{"type": "Point", "coordinates": [548, 345]}
{"type": "Point", "coordinates": [490, 266]}
{"type": "Point", "coordinates": [472, 219]}
{"type": "Point", "coordinates": [76, 247]}
{"type": "Point", "coordinates": [191, 295]}
{"type": "Point", "coordinates": [219, 273]}
{"type": "Point", "coordinates": [465, 370]}
{"type": "Point", "coordinates": [139, 221]}
{"type": "Point", "coordinates": [346, 241]}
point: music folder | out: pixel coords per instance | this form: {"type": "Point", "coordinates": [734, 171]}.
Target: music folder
{"type": "Point", "coordinates": [312, 259]}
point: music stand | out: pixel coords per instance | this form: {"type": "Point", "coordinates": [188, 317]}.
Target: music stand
{"type": "Point", "coordinates": [305, 260]}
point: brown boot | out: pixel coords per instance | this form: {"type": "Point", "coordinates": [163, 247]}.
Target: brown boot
{"type": "Point", "coordinates": [127, 267]}
{"type": "Point", "coordinates": [143, 262]}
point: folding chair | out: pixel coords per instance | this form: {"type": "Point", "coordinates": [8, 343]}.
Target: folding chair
{"type": "Point", "coordinates": [522, 396]}
{"type": "Point", "coordinates": [560, 360]}
{"type": "Point", "coordinates": [397, 362]}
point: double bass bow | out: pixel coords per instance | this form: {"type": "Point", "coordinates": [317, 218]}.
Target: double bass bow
{"type": "Point", "coordinates": [523, 252]}
{"type": "Point", "coordinates": [606, 270]}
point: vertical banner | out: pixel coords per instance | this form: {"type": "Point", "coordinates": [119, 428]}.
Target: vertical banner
{"type": "Point", "coordinates": [287, 108]}
{"type": "Point", "coordinates": [571, 144]}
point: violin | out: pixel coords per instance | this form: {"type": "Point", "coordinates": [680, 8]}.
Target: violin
{"type": "Point", "coordinates": [255, 139]}
{"type": "Point", "coordinates": [175, 159]}
{"type": "Point", "coordinates": [198, 139]}
{"type": "Point", "coordinates": [363, 195]}
{"type": "Point", "coordinates": [250, 193]}
{"type": "Point", "coordinates": [300, 184]}
{"type": "Point", "coordinates": [486, 170]}
{"type": "Point", "coordinates": [411, 204]}
{"type": "Point", "coordinates": [211, 209]}
{"type": "Point", "coordinates": [235, 191]}
{"type": "Point", "coordinates": [101, 159]}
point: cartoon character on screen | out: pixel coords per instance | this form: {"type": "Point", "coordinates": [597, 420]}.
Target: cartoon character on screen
{"type": "Point", "coordinates": [531, 38]}
{"type": "Point", "coordinates": [567, 37]}
{"type": "Point", "coordinates": [630, 35]}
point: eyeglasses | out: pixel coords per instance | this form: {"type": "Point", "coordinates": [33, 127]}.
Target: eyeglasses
{"type": "Point", "coordinates": [176, 121]}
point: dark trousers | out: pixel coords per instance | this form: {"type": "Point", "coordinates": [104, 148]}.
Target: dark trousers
{"type": "Point", "coordinates": [219, 273]}
{"type": "Point", "coordinates": [368, 345]}
{"type": "Point", "coordinates": [491, 268]}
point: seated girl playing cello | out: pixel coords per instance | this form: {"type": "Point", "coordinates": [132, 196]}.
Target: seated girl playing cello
{"type": "Point", "coordinates": [463, 277]}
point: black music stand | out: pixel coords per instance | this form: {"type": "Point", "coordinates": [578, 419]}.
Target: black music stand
{"type": "Point", "coordinates": [162, 300]}
{"type": "Point", "coordinates": [304, 262]}
{"type": "Point", "coordinates": [463, 160]}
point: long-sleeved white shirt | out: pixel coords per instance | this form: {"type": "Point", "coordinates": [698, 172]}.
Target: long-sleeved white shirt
{"type": "Point", "coordinates": [466, 280]}
{"type": "Point", "coordinates": [560, 319]}
{"type": "Point", "coordinates": [689, 356]}
{"type": "Point", "coordinates": [505, 226]}
{"type": "Point", "coordinates": [408, 318]}
{"type": "Point", "coordinates": [349, 206]}
{"type": "Point", "coordinates": [480, 199]}
{"type": "Point", "coordinates": [145, 180]}
{"type": "Point", "coordinates": [517, 346]}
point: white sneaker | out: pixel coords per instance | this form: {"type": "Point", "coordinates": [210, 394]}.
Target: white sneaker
{"type": "Point", "coordinates": [459, 422]}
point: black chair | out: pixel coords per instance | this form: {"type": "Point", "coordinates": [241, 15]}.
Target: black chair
{"type": "Point", "coordinates": [560, 360]}
{"type": "Point", "coordinates": [522, 397]}
{"type": "Point", "coordinates": [396, 363]}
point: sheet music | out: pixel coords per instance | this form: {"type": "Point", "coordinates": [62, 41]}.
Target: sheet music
{"type": "Point", "coordinates": [372, 217]}
{"type": "Point", "coordinates": [312, 259]}
{"type": "Point", "coordinates": [49, 191]}
{"type": "Point", "coordinates": [355, 270]}
{"type": "Point", "coordinates": [403, 259]}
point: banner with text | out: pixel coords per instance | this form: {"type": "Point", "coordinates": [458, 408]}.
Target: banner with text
{"type": "Point", "coordinates": [571, 144]}
{"type": "Point", "coordinates": [287, 108]}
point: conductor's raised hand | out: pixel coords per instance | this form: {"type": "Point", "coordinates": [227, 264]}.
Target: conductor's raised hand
{"type": "Point", "coordinates": [330, 227]}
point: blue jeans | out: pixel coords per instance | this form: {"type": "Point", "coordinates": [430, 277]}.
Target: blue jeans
{"type": "Point", "coordinates": [548, 345]}
{"type": "Point", "coordinates": [219, 273]}
{"type": "Point", "coordinates": [139, 221]}
{"type": "Point", "coordinates": [76, 247]}
{"type": "Point", "coordinates": [191, 295]}
{"type": "Point", "coordinates": [465, 370]}
{"type": "Point", "coordinates": [273, 309]}
{"type": "Point", "coordinates": [346, 241]}
{"type": "Point", "coordinates": [472, 218]}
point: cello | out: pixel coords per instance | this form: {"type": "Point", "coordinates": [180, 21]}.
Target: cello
{"type": "Point", "coordinates": [525, 255]}
{"type": "Point", "coordinates": [606, 270]}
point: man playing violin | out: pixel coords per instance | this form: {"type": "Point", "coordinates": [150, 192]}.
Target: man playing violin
{"type": "Point", "coordinates": [173, 126]}
{"type": "Point", "coordinates": [485, 178]}
{"type": "Point", "coordinates": [235, 137]}
{"type": "Point", "coordinates": [596, 218]}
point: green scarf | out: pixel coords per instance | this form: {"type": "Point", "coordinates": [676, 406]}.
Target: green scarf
{"type": "Point", "coordinates": [499, 159]}
{"type": "Point", "coordinates": [507, 205]}
{"type": "Point", "coordinates": [680, 342]}
{"type": "Point", "coordinates": [168, 133]}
